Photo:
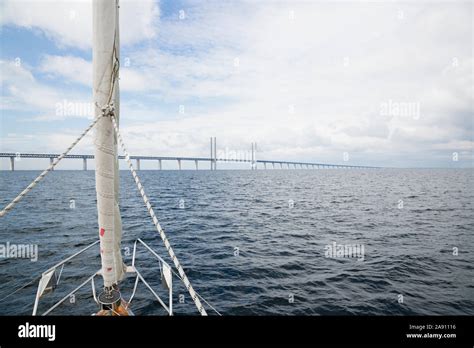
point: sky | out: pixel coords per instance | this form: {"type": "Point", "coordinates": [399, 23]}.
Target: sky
{"type": "Point", "coordinates": [380, 83]}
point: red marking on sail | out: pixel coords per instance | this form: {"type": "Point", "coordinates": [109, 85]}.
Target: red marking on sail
{"type": "Point", "coordinates": [109, 269]}
{"type": "Point", "coordinates": [102, 232]}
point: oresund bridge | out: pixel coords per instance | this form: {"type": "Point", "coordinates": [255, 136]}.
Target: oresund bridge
{"type": "Point", "coordinates": [212, 160]}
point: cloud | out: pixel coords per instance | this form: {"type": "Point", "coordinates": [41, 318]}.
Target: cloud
{"type": "Point", "coordinates": [333, 77]}
{"type": "Point", "coordinates": [69, 22]}
{"type": "Point", "coordinates": [306, 80]}
{"type": "Point", "coordinates": [68, 68]}
{"type": "Point", "coordinates": [45, 142]}
{"type": "Point", "coordinates": [79, 70]}
{"type": "Point", "coordinates": [22, 92]}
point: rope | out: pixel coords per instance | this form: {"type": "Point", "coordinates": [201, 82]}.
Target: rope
{"type": "Point", "coordinates": [178, 266]}
{"type": "Point", "coordinates": [46, 171]}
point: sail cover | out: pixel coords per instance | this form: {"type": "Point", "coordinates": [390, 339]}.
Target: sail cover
{"type": "Point", "coordinates": [105, 60]}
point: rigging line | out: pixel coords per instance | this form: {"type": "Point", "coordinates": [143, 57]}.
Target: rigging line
{"type": "Point", "coordinates": [160, 230]}
{"type": "Point", "coordinates": [38, 278]}
{"type": "Point", "coordinates": [200, 296]}
{"type": "Point", "coordinates": [115, 69]}
{"type": "Point", "coordinates": [21, 288]}
{"type": "Point", "coordinates": [115, 73]}
{"type": "Point", "coordinates": [46, 171]}
{"type": "Point", "coordinates": [212, 307]}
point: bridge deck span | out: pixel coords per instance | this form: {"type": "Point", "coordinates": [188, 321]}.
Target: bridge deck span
{"type": "Point", "coordinates": [288, 164]}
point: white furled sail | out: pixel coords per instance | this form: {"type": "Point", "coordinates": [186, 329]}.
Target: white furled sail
{"type": "Point", "coordinates": [105, 60]}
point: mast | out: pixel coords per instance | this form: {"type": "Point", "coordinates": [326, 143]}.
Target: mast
{"type": "Point", "coordinates": [105, 62]}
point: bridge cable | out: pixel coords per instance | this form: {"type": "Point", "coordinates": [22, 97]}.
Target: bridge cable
{"type": "Point", "coordinates": [160, 230]}
{"type": "Point", "coordinates": [46, 171]}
